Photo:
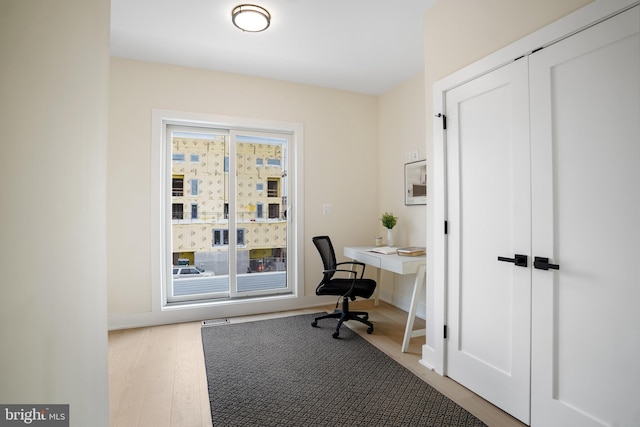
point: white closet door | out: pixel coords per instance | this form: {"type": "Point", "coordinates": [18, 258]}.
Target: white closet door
{"type": "Point", "coordinates": [488, 176]}
{"type": "Point", "coordinates": [585, 117]}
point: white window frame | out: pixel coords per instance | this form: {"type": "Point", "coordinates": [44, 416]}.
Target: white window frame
{"type": "Point", "coordinates": [160, 228]}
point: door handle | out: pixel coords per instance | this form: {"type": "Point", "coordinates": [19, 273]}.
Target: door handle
{"type": "Point", "coordinates": [519, 260]}
{"type": "Point", "coordinates": [543, 264]}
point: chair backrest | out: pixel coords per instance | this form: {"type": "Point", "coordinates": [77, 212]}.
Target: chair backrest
{"type": "Point", "coordinates": [325, 248]}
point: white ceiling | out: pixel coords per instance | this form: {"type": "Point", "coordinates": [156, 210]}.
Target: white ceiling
{"type": "Point", "coordinates": [365, 46]}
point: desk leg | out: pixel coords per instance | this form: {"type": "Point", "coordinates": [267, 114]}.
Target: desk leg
{"type": "Point", "coordinates": [376, 294]}
{"type": "Point", "coordinates": [409, 332]}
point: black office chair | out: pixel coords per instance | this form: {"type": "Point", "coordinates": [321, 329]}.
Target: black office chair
{"type": "Point", "coordinates": [348, 288]}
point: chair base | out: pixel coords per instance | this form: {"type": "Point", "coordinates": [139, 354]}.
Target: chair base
{"type": "Point", "coordinates": [345, 315]}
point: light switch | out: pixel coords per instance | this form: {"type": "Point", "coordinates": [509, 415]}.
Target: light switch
{"type": "Point", "coordinates": [327, 209]}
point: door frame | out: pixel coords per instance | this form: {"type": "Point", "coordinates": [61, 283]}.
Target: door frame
{"type": "Point", "coordinates": [434, 351]}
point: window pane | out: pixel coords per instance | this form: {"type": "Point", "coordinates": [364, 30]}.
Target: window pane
{"type": "Point", "coordinates": [176, 211]}
{"type": "Point", "coordinates": [177, 185]}
{"type": "Point", "coordinates": [199, 241]}
{"type": "Point", "coordinates": [272, 187]}
{"type": "Point", "coordinates": [274, 210]}
{"type": "Point", "coordinates": [262, 245]}
{"type": "Point", "coordinates": [224, 251]}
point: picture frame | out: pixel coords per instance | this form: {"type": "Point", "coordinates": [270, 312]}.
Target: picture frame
{"type": "Point", "coordinates": [415, 183]}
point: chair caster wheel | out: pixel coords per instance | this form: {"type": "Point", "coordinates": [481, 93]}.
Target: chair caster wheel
{"type": "Point", "coordinates": [314, 324]}
{"type": "Point", "coordinates": [370, 330]}
{"type": "Point", "coordinates": [336, 334]}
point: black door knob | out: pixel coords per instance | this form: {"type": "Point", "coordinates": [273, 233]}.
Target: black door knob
{"type": "Point", "coordinates": [519, 260]}
{"type": "Point", "coordinates": [543, 264]}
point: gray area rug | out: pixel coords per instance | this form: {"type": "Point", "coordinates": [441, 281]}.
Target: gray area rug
{"type": "Point", "coordinates": [284, 372]}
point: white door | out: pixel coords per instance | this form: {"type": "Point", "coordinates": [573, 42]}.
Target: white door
{"type": "Point", "coordinates": [585, 117]}
{"type": "Point", "coordinates": [488, 175]}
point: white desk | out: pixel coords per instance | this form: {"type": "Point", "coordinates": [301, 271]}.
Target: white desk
{"type": "Point", "coordinates": [396, 264]}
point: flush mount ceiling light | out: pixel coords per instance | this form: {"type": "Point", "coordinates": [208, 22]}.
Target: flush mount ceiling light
{"type": "Point", "coordinates": [250, 18]}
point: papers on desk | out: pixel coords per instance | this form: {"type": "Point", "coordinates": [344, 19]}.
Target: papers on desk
{"type": "Point", "coordinates": [385, 250]}
{"type": "Point", "coordinates": [408, 251]}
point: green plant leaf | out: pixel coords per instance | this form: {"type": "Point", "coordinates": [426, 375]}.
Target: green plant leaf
{"type": "Point", "coordinates": [389, 220]}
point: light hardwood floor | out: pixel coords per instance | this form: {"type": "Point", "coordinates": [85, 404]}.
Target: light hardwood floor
{"type": "Point", "coordinates": [157, 376]}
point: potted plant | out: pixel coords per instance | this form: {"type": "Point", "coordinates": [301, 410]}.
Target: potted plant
{"type": "Point", "coordinates": [389, 221]}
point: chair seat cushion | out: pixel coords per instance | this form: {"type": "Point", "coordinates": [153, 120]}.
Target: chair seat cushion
{"type": "Point", "coordinates": [364, 288]}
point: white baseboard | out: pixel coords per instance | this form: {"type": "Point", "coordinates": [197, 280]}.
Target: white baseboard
{"type": "Point", "coordinates": [204, 311]}
{"type": "Point", "coordinates": [198, 312]}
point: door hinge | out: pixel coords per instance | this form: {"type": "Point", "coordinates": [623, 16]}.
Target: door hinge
{"type": "Point", "coordinates": [445, 332]}
{"type": "Point", "coordinates": [444, 120]}
{"type": "Point", "coordinates": [446, 227]}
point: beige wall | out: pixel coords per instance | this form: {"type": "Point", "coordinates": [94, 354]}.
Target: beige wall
{"type": "Point", "coordinates": [401, 129]}
{"type": "Point", "coordinates": [53, 112]}
{"type": "Point", "coordinates": [459, 32]}
{"type": "Point", "coordinates": [340, 166]}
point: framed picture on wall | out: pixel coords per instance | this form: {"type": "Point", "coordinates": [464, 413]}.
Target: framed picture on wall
{"type": "Point", "coordinates": [415, 183]}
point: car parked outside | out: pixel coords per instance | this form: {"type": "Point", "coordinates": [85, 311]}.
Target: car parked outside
{"type": "Point", "coordinates": [189, 271]}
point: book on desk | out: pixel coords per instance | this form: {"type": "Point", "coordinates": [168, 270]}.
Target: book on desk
{"type": "Point", "coordinates": [406, 251]}
{"type": "Point", "coordinates": [412, 251]}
